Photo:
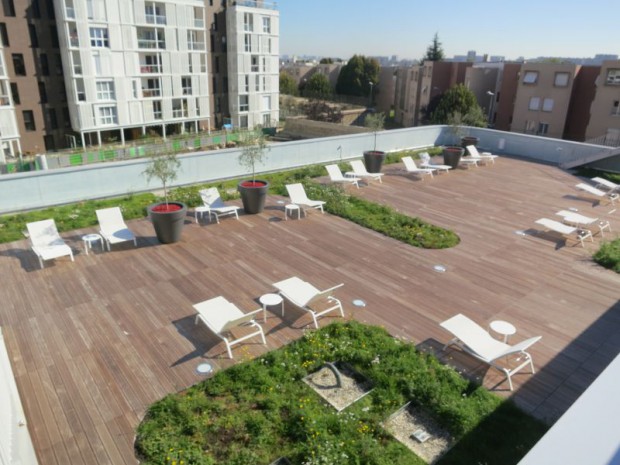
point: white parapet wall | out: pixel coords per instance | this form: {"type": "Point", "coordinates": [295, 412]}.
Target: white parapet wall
{"type": "Point", "coordinates": [15, 442]}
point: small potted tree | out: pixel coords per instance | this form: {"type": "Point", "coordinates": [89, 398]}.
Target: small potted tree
{"type": "Point", "coordinates": [452, 153]}
{"type": "Point", "coordinates": [167, 217]}
{"type": "Point", "coordinates": [253, 192]}
{"type": "Point", "coordinates": [373, 159]}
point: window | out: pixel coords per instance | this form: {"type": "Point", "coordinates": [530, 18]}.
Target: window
{"type": "Point", "coordinates": [561, 79]}
{"type": "Point", "coordinates": [186, 85]}
{"type": "Point", "coordinates": [36, 8]}
{"type": "Point", "coordinates": [29, 120]}
{"type": "Point", "coordinates": [105, 90]}
{"type": "Point", "coordinates": [534, 103]}
{"type": "Point", "coordinates": [9, 7]}
{"type": "Point", "coordinates": [254, 67]}
{"type": "Point", "coordinates": [66, 117]}
{"type": "Point", "coordinates": [266, 25]}
{"type": "Point", "coordinates": [247, 42]}
{"type": "Point", "coordinates": [543, 128]}
{"type": "Point", "coordinates": [15, 94]}
{"type": "Point", "coordinates": [54, 35]}
{"type": "Point", "coordinates": [151, 38]}
{"type": "Point", "coordinates": [246, 83]}
{"type": "Point", "coordinates": [266, 120]}
{"type": "Point", "coordinates": [615, 111]}
{"type": "Point", "coordinates": [530, 77]}
{"type": "Point", "coordinates": [243, 121]}
{"type": "Point", "coordinates": [155, 13]}
{"type": "Point", "coordinates": [44, 65]}
{"type": "Point", "coordinates": [52, 118]}
{"type": "Point", "coordinates": [217, 64]}
{"type": "Point", "coordinates": [547, 104]}
{"type": "Point", "coordinates": [257, 83]}
{"type": "Point", "coordinates": [48, 141]}
{"type": "Point", "coordinates": [265, 88]}
{"type": "Point", "coordinates": [18, 64]}
{"type": "Point", "coordinates": [99, 37]}
{"type": "Point", "coordinates": [34, 38]}
{"type": "Point", "coordinates": [179, 108]}
{"type": "Point", "coordinates": [613, 76]}
{"type": "Point", "coordinates": [218, 105]}
{"type": "Point", "coordinates": [266, 102]}
{"type": "Point", "coordinates": [58, 65]}
{"type": "Point", "coordinates": [212, 42]}
{"type": "Point", "coordinates": [264, 65]}
{"type": "Point", "coordinates": [42, 92]}
{"type": "Point", "coordinates": [530, 126]}
{"type": "Point", "coordinates": [248, 22]}
{"type": "Point", "coordinates": [244, 104]}
{"type": "Point", "coordinates": [51, 14]}
{"type": "Point", "coordinates": [97, 63]}
{"type": "Point", "coordinates": [152, 88]}
{"type": "Point", "coordinates": [269, 45]}
{"type": "Point", "coordinates": [214, 85]}
{"type": "Point", "coordinates": [215, 22]}
{"type": "Point", "coordinates": [107, 115]}
{"type": "Point", "coordinates": [4, 35]}
{"type": "Point", "coordinates": [157, 114]}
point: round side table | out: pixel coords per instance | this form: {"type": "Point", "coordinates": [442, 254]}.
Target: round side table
{"type": "Point", "coordinates": [270, 300]}
{"type": "Point", "coordinates": [289, 209]}
{"type": "Point", "coordinates": [503, 328]}
{"type": "Point", "coordinates": [89, 239]}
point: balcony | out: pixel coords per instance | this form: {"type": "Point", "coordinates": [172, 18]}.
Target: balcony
{"type": "Point", "coordinates": [155, 19]}
{"type": "Point", "coordinates": [148, 93]}
{"type": "Point", "coordinates": [150, 69]}
{"type": "Point", "coordinates": [151, 43]}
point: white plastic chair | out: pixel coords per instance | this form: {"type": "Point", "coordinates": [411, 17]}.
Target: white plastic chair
{"type": "Point", "coordinates": [46, 242]}
{"type": "Point", "coordinates": [476, 341]}
{"type": "Point", "coordinates": [112, 227]}
{"type": "Point", "coordinates": [308, 298]}
{"type": "Point", "coordinates": [222, 316]}
{"type": "Point", "coordinates": [335, 175]}
{"type": "Point", "coordinates": [298, 196]}
{"type": "Point", "coordinates": [411, 167]}
{"type": "Point", "coordinates": [214, 205]}
{"type": "Point", "coordinates": [360, 171]}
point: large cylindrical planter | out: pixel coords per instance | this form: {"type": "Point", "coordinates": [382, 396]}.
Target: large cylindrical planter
{"type": "Point", "coordinates": [469, 140]}
{"type": "Point", "coordinates": [168, 222]}
{"type": "Point", "coordinates": [253, 195]}
{"type": "Point", "coordinates": [373, 159]}
{"type": "Point", "coordinates": [452, 156]}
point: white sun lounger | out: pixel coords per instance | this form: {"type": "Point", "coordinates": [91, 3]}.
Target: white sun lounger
{"type": "Point", "coordinates": [484, 156]}
{"type": "Point", "coordinates": [578, 220]}
{"type": "Point", "coordinates": [612, 197]}
{"type": "Point", "coordinates": [214, 205]}
{"type": "Point", "coordinates": [113, 228]}
{"type": "Point", "coordinates": [46, 242]}
{"type": "Point", "coordinates": [566, 231]}
{"type": "Point", "coordinates": [411, 167]}
{"type": "Point", "coordinates": [298, 196]}
{"type": "Point", "coordinates": [335, 175]}
{"type": "Point", "coordinates": [476, 341]}
{"type": "Point", "coordinates": [425, 162]}
{"type": "Point", "coordinates": [221, 316]}
{"type": "Point", "coordinates": [602, 182]}
{"type": "Point", "coordinates": [360, 171]}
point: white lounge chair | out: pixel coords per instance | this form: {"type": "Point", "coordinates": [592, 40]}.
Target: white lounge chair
{"type": "Point", "coordinates": [112, 227]}
{"type": "Point", "coordinates": [214, 205]}
{"type": "Point", "coordinates": [411, 167]}
{"type": "Point", "coordinates": [46, 242]}
{"type": "Point", "coordinates": [469, 161]}
{"type": "Point", "coordinates": [425, 162]}
{"type": "Point", "coordinates": [476, 341]}
{"type": "Point", "coordinates": [483, 157]}
{"type": "Point", "coordinates": [568, 232]}
{"type": "Point", "coordinates": [222, 316]}
{"type": "Point", "coordinates": [307, 297]}
{"type": "Point", "coordinates": [335, 175]}
{"type": "Point", "coordinates": [602, 182]}
{"type": "Point", "coordinates": [298, 196]}
{"type": "Point", "coordinates": [577, 220]}
{"type": "Point", "coordinates": [612, 197]}
{"type": "Point", "coordinates": [360, 171]}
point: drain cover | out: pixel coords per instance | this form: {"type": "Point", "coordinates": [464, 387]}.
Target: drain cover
{"type": "Point", "coordinates": [573, 209]}
{"type": "Point", "coordinates": [439, 268]}
{"type": "Point", "coordinates": [520, 233]}
{"type": "Point", "coordinates": [359, 303]}
{"type": "Point", "coordinates": [204, 369]}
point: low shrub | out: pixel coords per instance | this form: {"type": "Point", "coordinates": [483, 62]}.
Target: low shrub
{"type": "Point", "coordinates": [608, 255]}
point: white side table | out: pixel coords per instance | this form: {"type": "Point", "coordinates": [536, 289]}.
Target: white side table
{"type": "Point", "coordinates": [289, 209]}
{"type": "Point", "coordinates": [89, 239]}
{"type": "Point", "coordinates": [270, 300]}
{"type": "Point", "coordinates": [503, 328]}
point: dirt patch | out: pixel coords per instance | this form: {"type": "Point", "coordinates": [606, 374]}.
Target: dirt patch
{"type": "Point", "coordinates": [353, 386]}
{"type": "Point", "coordinates": [409, 420]}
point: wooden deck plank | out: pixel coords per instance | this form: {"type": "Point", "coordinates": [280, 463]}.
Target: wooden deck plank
{"type": "Point", "coordinates": [94, 342]}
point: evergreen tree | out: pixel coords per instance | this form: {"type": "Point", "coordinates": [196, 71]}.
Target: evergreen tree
{"type": "Point", "coordinates": [355, 77]}
{"type": "Point", "coordinates": [462, 101]}
{"type": "Point", "coordinates": [434, 51]}
{"type": "Point", "coordinates": [287, 84]}
{"type": "Point", "coordinates": [318, 86]}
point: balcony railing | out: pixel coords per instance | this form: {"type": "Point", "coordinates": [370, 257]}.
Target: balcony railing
{"type": "Point", "coordinates": [199, 23]}
{"type": "Point", "coordinates": [70, 12]}
{"type": "Point", "coordinates": [150, 69]}
{"type": "Point", "coordinates": [151, 92]}
{"type": "Point", "coordinates": [195, 45]}
{"type": "Point", "coordinates": [5, 101]}
{"type": "Point", "coordinates": [180, 113]}
{"type": "Point", "coordinates": [151, 43]}
{"type": "Point", "coordinates": [155, 19]}
{"type": "Point", "coordinates": [254, 4]}
{"type": "Point", "coordinates": [74, 41]}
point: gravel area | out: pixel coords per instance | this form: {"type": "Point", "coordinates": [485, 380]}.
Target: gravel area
{"type": "Point", "coordinates": [323, 381]}
{"type": "Point", "coordinates": [409, 419]}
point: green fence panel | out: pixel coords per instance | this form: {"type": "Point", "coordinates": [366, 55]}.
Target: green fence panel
{"type": "Point", "coordinates": [141, 152]}
{"type": "Point", "coordinates": [197, 143]}
{"type": "Point", "coordinates": [132, 152]}
{"type": "Point", "coordinates": [92, 157]}
{"type": "Point", "coordinates": [109, 155]}
{"type": "Point", "coordinates": [217, 140]}
{"type": "Point", "coordinates": [176, 146]}
{"type": "Point", "coordinates": [10, 167]}
{"type": "Point", "coordinates": [75, 159]}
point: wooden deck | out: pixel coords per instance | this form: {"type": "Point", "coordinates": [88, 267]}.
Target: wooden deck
{"type": "Point", "coordinates": [94, 342]}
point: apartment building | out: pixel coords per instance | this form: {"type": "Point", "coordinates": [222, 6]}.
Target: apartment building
{"type": "Point", "coordinates": [86, 72]}
{"type": "Point", "coordinates": [483, 79]}
{"type": "Point", "coordinates": [604, 123]}
{"type": "Point", "coordinates": [253, 63]}
{"type": "Point", "coordinates": [302, 72]}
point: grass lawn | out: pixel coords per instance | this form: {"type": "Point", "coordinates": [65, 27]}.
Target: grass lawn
{"type": "Point", "coordinates": [259, 410]}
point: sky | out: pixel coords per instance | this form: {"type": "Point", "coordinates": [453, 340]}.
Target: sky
{"type": "Point", "coordinates": [510, 28]}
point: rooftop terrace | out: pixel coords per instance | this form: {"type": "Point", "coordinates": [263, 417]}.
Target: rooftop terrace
{"type": "Point", "coordinates": [93, 343]}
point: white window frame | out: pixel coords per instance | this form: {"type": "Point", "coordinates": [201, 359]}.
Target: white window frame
{"type": "Point", "coordinates": [254, 64]}
{"type": "Point", "coordinates": [266, 104]}
{"type": "Point", "coordinates": [186, 85]}
{"type": "Point", "coordinates": [157, 111]}
{"type": "Point", "coordinates": [266, 24]}
{"type": "Point", "coordinates": [547, 104]}
{"type": "Point", "coordinates": [105, 90]}
{"type": "Point", "coordinates": [99, 37]}
{"type": "Point", "coordinates": [561, 79]}
{"type": "Point", "coordinates": [248, 22]}
{"type": "Point", "coordinates": [246, 83]}
{"type": "Point", "coordinates": [108, 116]}
{"type": "Point", "coordinates": [244, 103]}
{"type": "Point", "coordinates": [542, 125]}
{"type": "Point", "coordinates": [534, 104]}
{"type": "Point", "coordinates": [247, 43]}
{"type": "Point", "coordinates": [530, 77]}
{"type": "Point", "coordinates": [613, 77]}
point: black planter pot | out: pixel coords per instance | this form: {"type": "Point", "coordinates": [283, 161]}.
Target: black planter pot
{"type": "Point", "coordinates": [373, 159]}
{"type": "Point", "coordinates": [452, 155]}
{"type": "Point", "coordinates": [253, 195]}
{"type": "Point", "coordinates": [168, 225]}
{"type": "Point", "coordinates": [469, 140]}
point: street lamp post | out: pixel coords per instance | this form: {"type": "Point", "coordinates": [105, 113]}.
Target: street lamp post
{"type": "Point", "coordinates": [370, 96]}
{"type": "Point", "coordinates": [490, 118]}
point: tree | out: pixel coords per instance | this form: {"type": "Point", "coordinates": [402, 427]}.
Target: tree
{"type": "Point", "coordinates": [376, 122]}
{"type": "Point", "coordinates": [326, 61]}
{"type": "Point", "coordinates": [434, 51]}
{"type": "Point", "coordinates": [254, 150]}
{"type": "Point", "coordinates": [287, 84]}
{"type": "Point", "coordinates": [462, 101]}
{"type": "Point", "coordinates": [318, 110]}
{"type": "Point", "coordinates": [355, 77]}
{"type": "Point", "coordinates": [318, 86]}
{"type": "Point", "coordinates": [163, 167]}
